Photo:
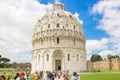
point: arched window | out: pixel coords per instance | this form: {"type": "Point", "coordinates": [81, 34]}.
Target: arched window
{"type": "Point", "coordinates": [70, 16]}
{"type": "Point", "coordinates": [58, 25]}
{"type": "Point", "coordinates": [74, 27]}
{"type": "Point", "coordinates": [67, 25]}
{"type": "Point", "coordinates": [41, 42]}
{"type": "Point", "coordinates": [58, 15]}
{"type": "Point", "coordinates": [74, 41]}
{"type": "Point", "coordinates": [77, 57]}
{"type": "Point", "coordinates": [61, 7]}
{"type": "Point", "coordinates": [48, 25]}
{"type": "Point", "coordinates": [47, 57]}
{"type": "Point", "coordinates": [68, 57]}
{"type": "Point", "coordinates": [57, 40]}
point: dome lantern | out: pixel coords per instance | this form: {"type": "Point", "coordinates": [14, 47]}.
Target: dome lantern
{"type": "Point", "coordinates": [58, 6]}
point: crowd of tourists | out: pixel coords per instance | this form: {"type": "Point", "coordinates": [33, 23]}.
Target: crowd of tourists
{"type": "Point", "coordinates": [18, 76]}
{"type": "Point", "coordinates": [47, 75]}
{"type": "Point", "coordinates": [42, 75]}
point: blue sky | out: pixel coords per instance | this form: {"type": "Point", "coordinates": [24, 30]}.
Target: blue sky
{"type": "Point", "coordinates": [100, 18]}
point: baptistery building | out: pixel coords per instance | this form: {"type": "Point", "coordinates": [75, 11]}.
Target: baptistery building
{"type": "Point", "coordinates": [58, 42]}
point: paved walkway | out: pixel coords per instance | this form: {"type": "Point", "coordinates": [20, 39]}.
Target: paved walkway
{"type": "Point", "coordinates": [61, 78]}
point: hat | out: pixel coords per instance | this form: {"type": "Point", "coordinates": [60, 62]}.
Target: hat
{"type": "Point", "coordinates": [21, 74]}
{"type": "Point", "coordinates": [74, 73]}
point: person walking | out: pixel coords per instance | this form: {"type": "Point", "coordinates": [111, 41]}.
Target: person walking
{"type": "Point", "coordinates": [66, 75]}
{"type": "Point", "coordinates": [2, 77]}
{"type": "Point", "coordinates": [16, 76]}
{"type": "Point", "coordinates": [9, 77]}
{"type": "Point", "coordinates": [75, 76]}
{"type": "Point", "coordinates": [21, 76]}
{"type": "Point", "coordinates": [27, 76]}
{"type": "Point", "coordinates": [36, 76]}
{"type": "Point", "coordinates": [50, 76]}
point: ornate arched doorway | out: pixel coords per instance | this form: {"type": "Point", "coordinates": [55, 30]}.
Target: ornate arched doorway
{"type": "Point", "coordinates": [57, 60]}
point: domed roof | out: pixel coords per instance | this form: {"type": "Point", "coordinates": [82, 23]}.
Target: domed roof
{"type": "Point", "coordinates": [58, 19]}
{"type": "Point", "coordinates": [58, 25]}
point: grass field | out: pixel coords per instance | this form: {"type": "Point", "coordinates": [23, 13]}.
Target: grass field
{"type": "Point", "coordinates": [104, 75]}
{"type": "Point", "coordinates": [100, 76]}
{"type": "Point", "coordinates": [110, 71]}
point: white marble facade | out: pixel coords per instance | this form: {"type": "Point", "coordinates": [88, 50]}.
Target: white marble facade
{"type": "Point", "coordinates": [58, 42]}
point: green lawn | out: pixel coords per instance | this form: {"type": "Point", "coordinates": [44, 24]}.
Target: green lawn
{"type": "Point", "coordinates": [7, 74]}
{"type": "Point", "coordinates": [110, 71]}
{"type": "Point", "coordinates": [97, 76]}
{"type": "Point", "coordinates": [104, 75]}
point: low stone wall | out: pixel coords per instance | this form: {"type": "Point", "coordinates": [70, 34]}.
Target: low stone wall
{"type": "Point", "coordinates": [113, 64]}
{"type": "Point", "coordinates": [101, 65]}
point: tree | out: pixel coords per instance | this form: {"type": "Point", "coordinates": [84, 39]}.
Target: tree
{"type": "Point", "coordinates": [117, 56]}
{"type": "Point", "coordinates": [96, 57]}
{"type": "Point", "coordinates": [109, 56]}
{"type": "Point", "coordinates": [5, 60]}
{"type": "Point", "coordinates": [0, 59]}
{"type": "Point", "coordinates": [14, 64]}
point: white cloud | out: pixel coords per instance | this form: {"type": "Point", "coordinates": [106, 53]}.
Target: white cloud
{"type": "Point", "coordinates": [95, 45]}
{"type": "Point", "coordinates": [110, 23]}
{"type": "Point", "coordinates": [104, 53]}
{"type": "Point", "coordinates": [17, 20]}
